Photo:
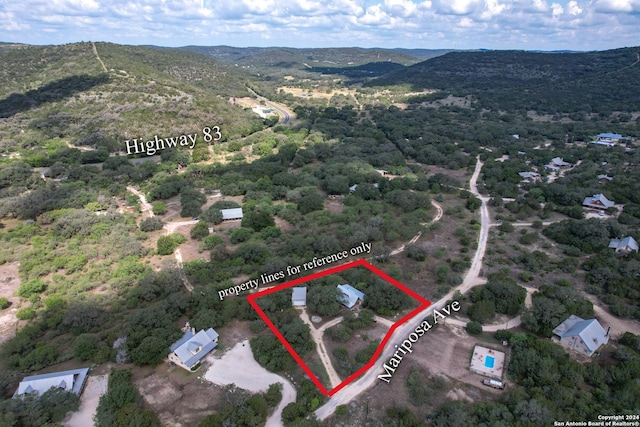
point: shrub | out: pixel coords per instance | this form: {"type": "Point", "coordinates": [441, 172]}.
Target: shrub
{"type": "Point", "coordinates": [240, 235]}
{"type": "Point", "coordinates": [200, 230]}
{"type": "Point", "coordinates": [151, 224]}
{"type": "Point", "coordinates": [473, 328]}
{"type": "Point", "coordinates": [159, 207]}
{"type": "Point", "coordinates": [31, 287]}
{"type": "Point", "coordinates": [4, 303]}
{"type": "Point", "coordinates": [26, 313]}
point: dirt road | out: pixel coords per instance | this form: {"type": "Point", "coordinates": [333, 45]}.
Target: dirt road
{"type": "Point", "coordinates": [415, 238]}
{"type": "Point", "coordinates": [316, 335]}
{"type": "Point", "coordinates": [83, 417]}
{"type": "Point", "coordinates": [471, 279]}
{"type": "Point", "coordinates": [146, 206]}
{"type": "Point", "coordinates": [509, 324]}
{"type": "Point", "coordinates": [237, 366]}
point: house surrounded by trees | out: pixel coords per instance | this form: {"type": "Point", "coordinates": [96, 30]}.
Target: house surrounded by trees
{"type": "Point", "coordinates": [598, 201]}
{"type": "Point", "coordinates": [72, 381]}
{"type": "Point", "coordinates": [349, 296]}
{"type": "Point", "coordinates": [299, 296]}
{"type": "Point", "coordinates": [189, 350]}
{"type": "Point", "coordinates": [625, 245]}
{"type": "Point", "coordinates": [579, 335]}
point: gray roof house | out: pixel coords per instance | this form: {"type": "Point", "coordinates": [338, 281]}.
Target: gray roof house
{"type": "Point", "coordinates": [625, 245]}
{"type": "Point", "coordinates": [559, 162]}
{"type": "Point", "coordinates": [605, 177]}
{"type": "Point", "coordinates": [348, 295]}
{"type": "Point", "coordinates": [529, 175]}
{"type": "Point", "coordinates": [189, 350]}
{"type": "Point", "coordinates": [231, 214]}
{"type": "Point", "coordinates": [299, 296]}
{"type": "Point", "coordinates": [72, 381]}
{"type": "Point", "coordinates": [582, 336]}
{"type": "Point", "coordinates": [597, 201]}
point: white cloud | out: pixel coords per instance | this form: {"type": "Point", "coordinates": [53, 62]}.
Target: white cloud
{"type": "Point", "coordinates": [556, 9]}
{"type": "Point", "coordinates": [616, 6]}
{"type": "Point", "coordinates": [574, 8]}
{"type": "Point", "coordinates": [528, 24]}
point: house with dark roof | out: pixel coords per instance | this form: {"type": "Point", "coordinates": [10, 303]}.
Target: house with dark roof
{"type": "Point", "coordinates": [597, 201]}
{"type": "Point", "coordinates": [72, 381]}
{"type": "Point", "coordinates": [231, 214]}
{"type": "Point", "coordinates": [625, 245]}
{"type": "Point", "coordinates": [299, 296]}
{"type": "Point", "coordinates": [189, 350]}
{"type": "Point", "coordinates": [349, 296]}
{"type": "Point", "coordinates": [579, 335]}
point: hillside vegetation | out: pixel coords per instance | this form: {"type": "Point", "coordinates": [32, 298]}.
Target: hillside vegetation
{"type": "Point", "coordinates": [104, 96]}
{"type": "Point", "coordinates": [546, 82]}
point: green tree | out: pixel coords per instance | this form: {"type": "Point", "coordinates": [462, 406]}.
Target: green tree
{"type": "Point", "coordinates": [473, 328]}
{"type": "Point", "coordinates": [200, 230]}
{"type": "Point", "coordinates": [159, 207]}
{"type": "Point", "coordinates": [85, 346]}
{"type": "Point", "coordinates": [257, 219]}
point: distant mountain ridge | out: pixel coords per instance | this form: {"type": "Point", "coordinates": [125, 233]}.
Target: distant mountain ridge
{"type": "Point", "coordinates": [577, 81]}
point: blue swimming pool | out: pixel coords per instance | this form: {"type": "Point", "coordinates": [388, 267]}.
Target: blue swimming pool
{"type": "Point", "coordinates": [488, 361]}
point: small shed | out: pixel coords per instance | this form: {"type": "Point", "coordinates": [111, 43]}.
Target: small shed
{"type": "Point", "coordinates": [299, 296]}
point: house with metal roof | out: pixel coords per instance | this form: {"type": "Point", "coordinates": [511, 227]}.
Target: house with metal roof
{"type": "Point", "coordinates": [605, 177]}
{"type": "Point", "coordinates": [597, 201]}
{"type": "Point", "coordinates": [625, 245]}
{"type": "Point", "coordinates": [71, 381]}
{"type": "Point", "coordinates": [582, 336]}
{"type": "Point", "coordinates": [349, 296]}
{"type": "Point", "coordinates": [529, 176]}
{"type": "Point", "coordinates": [231, 214]}
{"type": "Point", "coordinates": [189, 350]}
{"type": "Point", "coordinates": [559, 162]}
{"type": "Point", "coordinates": [609, 137]}
{"type": "Point", "coordinates": [299, 296]}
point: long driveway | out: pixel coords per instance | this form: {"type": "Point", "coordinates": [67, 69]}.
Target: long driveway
{"type": "Point", "coordinates": [352, 390]}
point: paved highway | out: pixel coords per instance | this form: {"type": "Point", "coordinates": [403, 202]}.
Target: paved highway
{"type": "Point", "coordinates": [282, 111]}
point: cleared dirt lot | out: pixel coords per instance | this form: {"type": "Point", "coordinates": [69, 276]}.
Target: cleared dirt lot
{"type": "Point", "coordinates": [9, 284]}
{"type": "Point", "coordinates": [178, 397]}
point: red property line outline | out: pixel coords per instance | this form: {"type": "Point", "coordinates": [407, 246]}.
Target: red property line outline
{"type": "Point", "coordinates": [424, 303]}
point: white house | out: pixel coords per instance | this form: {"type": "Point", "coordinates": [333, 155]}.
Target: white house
{"type": "Point", "coordinates": [189, 350]}
{"type": "Point", "coordinates": [71, 381]}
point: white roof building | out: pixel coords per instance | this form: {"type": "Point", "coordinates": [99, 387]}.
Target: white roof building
{"type": "Point", "coordinates": [299, 296]}
{"type": "Point", "coordinates": [231, 214]}
{"type": "Point", "coordinates": [71, 381]}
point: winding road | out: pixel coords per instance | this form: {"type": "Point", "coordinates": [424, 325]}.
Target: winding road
{"type": "Point", "coordinates": [282, 111]}
{"type": "Point", "coordinates": [352, 390]}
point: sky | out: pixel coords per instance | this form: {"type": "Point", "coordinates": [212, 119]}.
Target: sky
{"type": "Point", "coordinates": [429, 24]}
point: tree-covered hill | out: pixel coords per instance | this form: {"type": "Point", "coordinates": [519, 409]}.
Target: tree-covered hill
{"type": "Point", "coordinates": [280, 61]}
{"type": "Point", "coordinates": [598, 82]}
{"type": "Point", "coordinates": [103, 94]}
